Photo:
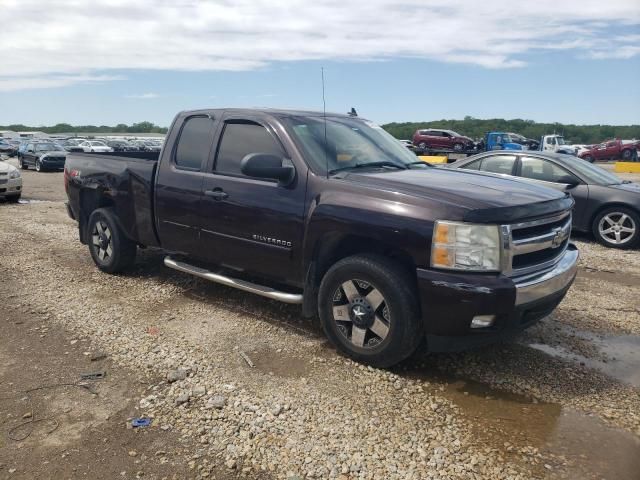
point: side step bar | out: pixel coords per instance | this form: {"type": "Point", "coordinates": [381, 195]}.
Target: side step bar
{"type": "Point", "coordinates": [234, 282]}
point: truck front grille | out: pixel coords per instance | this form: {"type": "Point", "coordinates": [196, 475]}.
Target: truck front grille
{"type": "Point", "coordinates": [531, 248]}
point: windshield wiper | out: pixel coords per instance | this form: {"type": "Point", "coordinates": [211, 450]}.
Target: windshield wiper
{"type": "Point", "coordinates": [419, 162]}
{"type": "Point", "coordinates": [369, 164]}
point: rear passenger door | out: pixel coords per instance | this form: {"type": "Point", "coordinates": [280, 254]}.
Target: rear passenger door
{"type": "Point", "coordinates": [178, 188]}
{"type": "Point", "coordinates": [250, 224]}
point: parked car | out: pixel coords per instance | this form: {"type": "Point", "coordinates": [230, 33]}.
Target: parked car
{"type": "Point", "coordinates": [557, 144]}
{"type": "Point", "coordinates": [121, 146]}
{"type": "Point", "coordinates": [527, 143]}
{"type": "Point", "coordinates": [95, 146]}
{"type": "Point", "coordinates": [7, 148]}
{"type": "Point", "coordinates": [612, 150]}
{"type": "Point", "coordinates": [605, 205]}
{"type": "Point", "coordinates": [408, 144]}
{"type": "Point", "coordinates": [10, 182]}
{"type": "Point", "coordinates": [435, 139]}
{"type": "Point", "coordinates": [332, 213]}
{"type": "Point", "coordinates": [43, 156]}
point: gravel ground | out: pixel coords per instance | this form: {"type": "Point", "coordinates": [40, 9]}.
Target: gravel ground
{"type": "Point", "coordinates": [539, 407]}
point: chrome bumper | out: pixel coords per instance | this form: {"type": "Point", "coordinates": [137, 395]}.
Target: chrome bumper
{"type": "Point", "coordinates": [555, 280]}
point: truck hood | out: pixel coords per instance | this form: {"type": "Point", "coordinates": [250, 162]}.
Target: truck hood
{"type": "Point", "coordinates": [473, 191]}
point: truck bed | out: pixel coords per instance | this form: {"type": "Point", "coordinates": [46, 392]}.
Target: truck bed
{"type": "Point", "coordinates": [125, 180]}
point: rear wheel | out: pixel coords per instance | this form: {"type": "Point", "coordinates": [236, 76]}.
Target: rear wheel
{"type": "Point", "coordinates": [368, 310]}
{"type": "Point", "coordinates": [110, 249]}
{"type": "Point", "coordinates": [617, 227]}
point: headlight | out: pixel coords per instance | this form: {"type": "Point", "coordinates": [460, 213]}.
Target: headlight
{"type": "Point", "coordinates": [465, 246]}
{"type": "Point", "coordinates": [14, 174]}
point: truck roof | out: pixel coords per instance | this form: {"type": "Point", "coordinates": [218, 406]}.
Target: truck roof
{"type": "Point", "coordinates": [270, 111]}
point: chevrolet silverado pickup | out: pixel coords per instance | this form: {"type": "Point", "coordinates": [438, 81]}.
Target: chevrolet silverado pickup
{"type": "Point", "coordinates": [332, 213]}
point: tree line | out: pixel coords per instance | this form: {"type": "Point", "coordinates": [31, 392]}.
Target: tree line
{"type": "Point", "coordinates": [141, 127]}
{"type": "Point", "coordinates": [476, 129]}
{"type": "Point", "coordinates": [469, 126]}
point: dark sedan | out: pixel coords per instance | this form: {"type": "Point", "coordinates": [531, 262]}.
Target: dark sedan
{"type": "Point", "coordinates": [605, 205]}
{"type": "Point", "coordinates": [43, 156]}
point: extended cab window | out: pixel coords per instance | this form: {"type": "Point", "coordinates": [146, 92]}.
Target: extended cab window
{"type": "Point", "coordinates": [194, 143]}
{"type": "Point", "coordinates": [539, 169]}
{"type": "Point", "coordinates": [498, 164]}
{"type": "Point", "coordinates": [240, 139]}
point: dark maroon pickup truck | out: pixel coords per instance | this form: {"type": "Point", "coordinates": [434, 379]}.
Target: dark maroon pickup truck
{"type": "Point", "coordinates": [334, 214]}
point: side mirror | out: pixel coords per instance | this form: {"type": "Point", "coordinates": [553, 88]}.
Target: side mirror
{"type": "Point", "coordinates": [268, 166]}
{"type": "Point", "coordinates": [570, 181]}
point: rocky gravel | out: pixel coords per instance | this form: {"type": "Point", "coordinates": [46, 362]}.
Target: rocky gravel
{"type": "Point", "coordinates": [509, 411]}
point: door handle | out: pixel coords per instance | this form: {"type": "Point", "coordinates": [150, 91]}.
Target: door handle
{"type": "Point", "coordinates": [216, 193]}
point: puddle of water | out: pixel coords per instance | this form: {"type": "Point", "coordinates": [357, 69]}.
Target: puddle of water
{"type": "Point", "coordinates": [26, 201]}
{"type": "Point", "coordinates": [593, 449]}
{"type": "Point", "coordinates": [622, 354]}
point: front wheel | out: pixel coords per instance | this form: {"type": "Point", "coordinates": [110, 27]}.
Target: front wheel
{"type": "Point", "coordinates": [38, 166]}
{"type": "Point", "coordinates": [21, 163]}
{"type": "Point", "coordinates": [423, 146]}
{"type": "Point", "coordinates": [617, 227]}
{"type": "Point", "coordinates": [110, 249]}
{"type": "Point", "coordinates": [14, 198]}
{"type": "Point", "coordinates": [588, 158]}
{"type": "Point", "coordinates": [368, 310]}
{"type": "Point", "coordinates": [626, 155]}
{"type": "Point", "coordinates": [458, 147]}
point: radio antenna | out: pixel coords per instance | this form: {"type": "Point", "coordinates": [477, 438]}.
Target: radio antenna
{"type": "Point", "coordinates": [324, 119]}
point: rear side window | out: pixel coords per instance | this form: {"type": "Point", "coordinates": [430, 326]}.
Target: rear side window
{"type": "Point", "coordinates": [240, 139]}
{"type": "Point", "coordinates": [498, 164]}
{"type": "Point", "coordinates": [194, 143]}
{"type": "Point", "coordinates": [472, 166]}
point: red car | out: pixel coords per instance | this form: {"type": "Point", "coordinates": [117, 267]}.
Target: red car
{"type": "Point", "coordinates": [434, 139]}
{"type": "Point", "coordinates": [612, 149]}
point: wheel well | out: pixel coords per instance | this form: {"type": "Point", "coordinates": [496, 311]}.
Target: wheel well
{"type": "Point", "coordinates": [334, 249]}
{"type": "Point", "coordinates": [90, 201]}
{"type": "Point", "coordinates": [610, 205]}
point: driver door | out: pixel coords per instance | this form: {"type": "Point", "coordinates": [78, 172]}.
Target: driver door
{"type": "Point", "coordinates": [250, 224]}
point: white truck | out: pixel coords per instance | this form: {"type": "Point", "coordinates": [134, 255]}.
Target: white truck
{"type": "Point", "coordinates": [557, 144]}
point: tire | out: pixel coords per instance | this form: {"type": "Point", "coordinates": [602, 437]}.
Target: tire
{"type": "Point", "coordinates": [588, 158]}
{"type": "Point", "coordinates": [626, 155]}
{"type": "Point", "coordinates": [378, 302]}
{"type": "Point", "coordinates": [39, 166]}
{"type": "Point", "coordinates": [458, 147]}
{"type": "Point", "coordinates": [423, 146]}
{"type": "Point", "coordinates": [111, 250]}
{"type": "Point", "coordinates": [22, 165]}
{"type": "Point", "coordinates": [617, 227]}
{"type": "Point", "coordinates": [13, 198]}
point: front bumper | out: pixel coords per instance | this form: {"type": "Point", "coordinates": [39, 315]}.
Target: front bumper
{"type": "Point", "coordinates": [10, 186]}
{"type": "Point", "coordinates": [52, 163]}
{"type": "Point", "coordinates": [450, 301]}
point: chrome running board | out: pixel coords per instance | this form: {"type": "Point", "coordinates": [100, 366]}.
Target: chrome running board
{"type": "Point", "coordinates": [234, 282]}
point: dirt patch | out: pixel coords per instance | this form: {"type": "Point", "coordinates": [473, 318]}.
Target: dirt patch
{"type": "Point", "coordinates": [53, 425]}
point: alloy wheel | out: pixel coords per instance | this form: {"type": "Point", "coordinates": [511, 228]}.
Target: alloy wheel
{"type": "Point", "coordinates": [38, 166]}
{"type": "Point", "coordinates": [361, 313]}
{"type": "Point", "coordinates": [102, 240]}
{"type": "Point", "coordinates": [617, 228]}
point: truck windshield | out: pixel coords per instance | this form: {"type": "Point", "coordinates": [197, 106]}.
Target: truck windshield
{"type": "Point", "coordinates": [349, 143]}
{"type": "Point", "coordinates": [560, 141]}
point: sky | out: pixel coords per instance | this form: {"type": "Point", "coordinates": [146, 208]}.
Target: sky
{"type": "Point", "coordinates": [109, 61]}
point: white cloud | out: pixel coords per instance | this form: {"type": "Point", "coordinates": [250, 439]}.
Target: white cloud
{"type": "Point", "coordinates": [142, 96]}
{"type": "Point", "coordinates": [69, 38]}
{"type": "Point", "coordinates": [10, 83]}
